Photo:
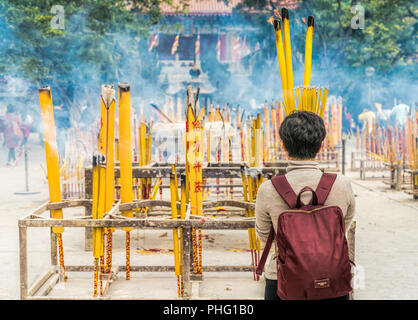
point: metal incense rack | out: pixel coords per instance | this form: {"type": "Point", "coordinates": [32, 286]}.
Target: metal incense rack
{"type": "Point", "coordinates": [157, 219]}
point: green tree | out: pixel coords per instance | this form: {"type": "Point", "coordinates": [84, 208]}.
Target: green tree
{"type": "Point", "coordinates": [103, 41]}
{"type": "Point", "coordinates": [341, 54]}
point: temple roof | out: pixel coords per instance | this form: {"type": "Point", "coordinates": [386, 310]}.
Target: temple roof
{"type": "Point", "coordinates": [214, 7]}
{"type": "Point", "coordinates": [201, 7]}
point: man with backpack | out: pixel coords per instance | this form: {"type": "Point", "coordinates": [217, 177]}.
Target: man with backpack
{"type": "Point", "coordinates": [305, 214]}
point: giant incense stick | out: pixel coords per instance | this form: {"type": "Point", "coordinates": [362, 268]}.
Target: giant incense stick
{"type": "Point", "coordinates": [281, 58]}
{"type": "Point", "coordinates": [194, 156]}
{"type": "Point", "coordinates": [106, 148]}
{"type": "Point", "coordinates": [247, 214]}
{"type": "Point", "coordinates": [267, 130]}
{"type": "Point", "coordinates": [51, 155]}
{"type": "Point", "coordinates": [174, 215]}
{"type": "Point", "coordinates": [98, 234]}
{"type": "Point", "coordinates": [99, 195]}
{"type": "Point", "coordinates": [183, 200]}
{"type": "Point", "coordinates": [258, 146]}
{"type": "Point", "coordinates": [95, 199]}
{"type": "Point", "coordinates": [288, 59]}
{"type": "Point", "coordinates": [125, 148]}
{"type": "Point", "coordinates": [275, 132]}
{"type": "Point", "coordinates": [308, 52]}
{"type": "Point", "coordinates": [303, 98]}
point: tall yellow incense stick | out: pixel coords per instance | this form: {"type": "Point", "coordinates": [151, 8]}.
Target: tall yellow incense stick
{"type": "Point", "coordinates": [281, 58]}
{"type": "Point", "coordinates": [247, 214]}
{"type": "Point", "coordinates": [308, 52]}
{"type": "Point", "coordinates": [194, 157]}
{"type": "Point", "coordinates": [142, 154]}
{"type": "Point", "coordinates": [208, 146]}
{"type": "Point", "coordinates": [99, 241]}
{"type": "Point", "coordinates": [51, 155]}
{"type": "Point", "coordinates": [304, 98]}
{"type": "Point", "coordinates": [267, 128]}
{"type": "Point", "coordinates": [125, 148]}
{"type": "Point", "coordinates": [190, 173]}
{"type": "Point", "coordinates": [95, 199]}
{"type": "Point", "coordinates": [288, 59]}
{"type": "Point", "coordinates": [176, 251]}
{"type": "Point", "coordinates": [199, 178]}
{"type": "Point", "coordinates": [106, 149]}
{"type": "Point", "coordinates": [110, 150]}
{"type": "Point", "coordinates": [183, 195]}
{"type": "Point", "coordinates": [99, 208]}
{"type": "Point", "coordinates": [275, 138]}
{"type": "Point", "coordinates": [258, 142]}
{"type": "Point", "coordinates": [149, 156]}
{"type": "Point", "coordinates": [251, 192]}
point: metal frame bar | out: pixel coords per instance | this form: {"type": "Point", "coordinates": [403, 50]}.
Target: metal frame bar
{"type": "Point", "coordinates": [111, 219]}
{"type": "Point", "coordinates": [397, 179]}
{"type": "Point", "coordinates": [114, 219]}
{"type": "Point", "coordinates": [51, 276]}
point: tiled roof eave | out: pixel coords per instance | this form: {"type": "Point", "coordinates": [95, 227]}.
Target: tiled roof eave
{"type": "Point", "coordinates": [198, 14]}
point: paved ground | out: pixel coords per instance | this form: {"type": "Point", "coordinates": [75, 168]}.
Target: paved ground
{"type": "Point", "coordinates": [386, 250]}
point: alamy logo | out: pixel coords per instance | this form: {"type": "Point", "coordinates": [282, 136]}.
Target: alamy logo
{"type": "Point", "coordinates": [58, 20]}
{"type": "Point", "coordinates": [359, 277]}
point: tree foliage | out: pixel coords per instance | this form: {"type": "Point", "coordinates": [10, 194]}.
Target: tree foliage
{"type": "Point", "coordinates": [341, 54]}
{"type": "Point", "coordinates": [103, 41]}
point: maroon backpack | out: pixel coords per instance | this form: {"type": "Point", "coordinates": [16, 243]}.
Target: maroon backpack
{"type": "Point", "coordinates": [313, 261]}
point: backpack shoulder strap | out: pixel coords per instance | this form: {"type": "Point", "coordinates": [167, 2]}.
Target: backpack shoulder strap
{"type": "Point", "coordinates": [325, 186]}
{"type": "Point", "coordinates": [283, 187]}
{"type": "Point", "coordinates": [266, 251]}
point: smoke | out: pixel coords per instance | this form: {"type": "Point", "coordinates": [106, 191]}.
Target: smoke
{"type": "Point", "coordinates": [77, 61]}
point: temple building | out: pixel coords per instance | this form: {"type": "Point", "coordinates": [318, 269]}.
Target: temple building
{"type": "Point", "coordinates": [210, 32]}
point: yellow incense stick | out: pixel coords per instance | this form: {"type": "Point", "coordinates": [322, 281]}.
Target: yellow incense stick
{"type": "Point", "coordinates": [51, 153]}
{"type": "Point", "coordinates": [288, 59]}
{"type": "Point", "coordinates": [176, 251]}
{"type": "Point", "coordinates": [100, 206]}
{"type": "Point", "coordinates": [308, 52]}
{"type": "Point", "coordinates": [95, 200]}
{"type": "Point", "coordinates": [281, 57]}
{"type": "Point", "coordinates": [125, 148]}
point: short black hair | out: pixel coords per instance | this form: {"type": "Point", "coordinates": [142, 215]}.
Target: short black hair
{"type": "Point", "coordinates": [302, 134]}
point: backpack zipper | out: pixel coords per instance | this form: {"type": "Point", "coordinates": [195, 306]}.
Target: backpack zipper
{"type": "Point", "coordinates": [306, 211]}
{"type": "Point", "coordinates": [297, 210]}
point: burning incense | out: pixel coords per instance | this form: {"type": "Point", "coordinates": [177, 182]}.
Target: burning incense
{"type": "Point", "coordinates": [194, 156]}
{"type": "Point", "coordinates": [308, 52]}
{"type": "Point", "coordinates": [247, 214]}
{"type": "Point", "coordinates": [51, 155]}
{"type": "Point", "coordinates": [280, 53]}
{"type": "Point", "coordinates": [176, 251]}
{"type": "Point", "coordinates": [125, 160]}
{"type": "Point", "coordinates": [99, 240]}
{"type": "Point", "coordinates": [106, 148]}
{"type": "Point", "coordinates": [288, 59]}
{"type": "Point", "coordinates": [304, 98]}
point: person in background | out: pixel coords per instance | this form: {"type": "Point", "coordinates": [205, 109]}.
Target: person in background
{"type": "Point", "coordinates": [11, 127]}
{"type": "Point", "coordinates": [25, 127]}
{"type": "Point", "coordinates": [348, 121]}
{"type": "Point", "coordinates": [367, 118]}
